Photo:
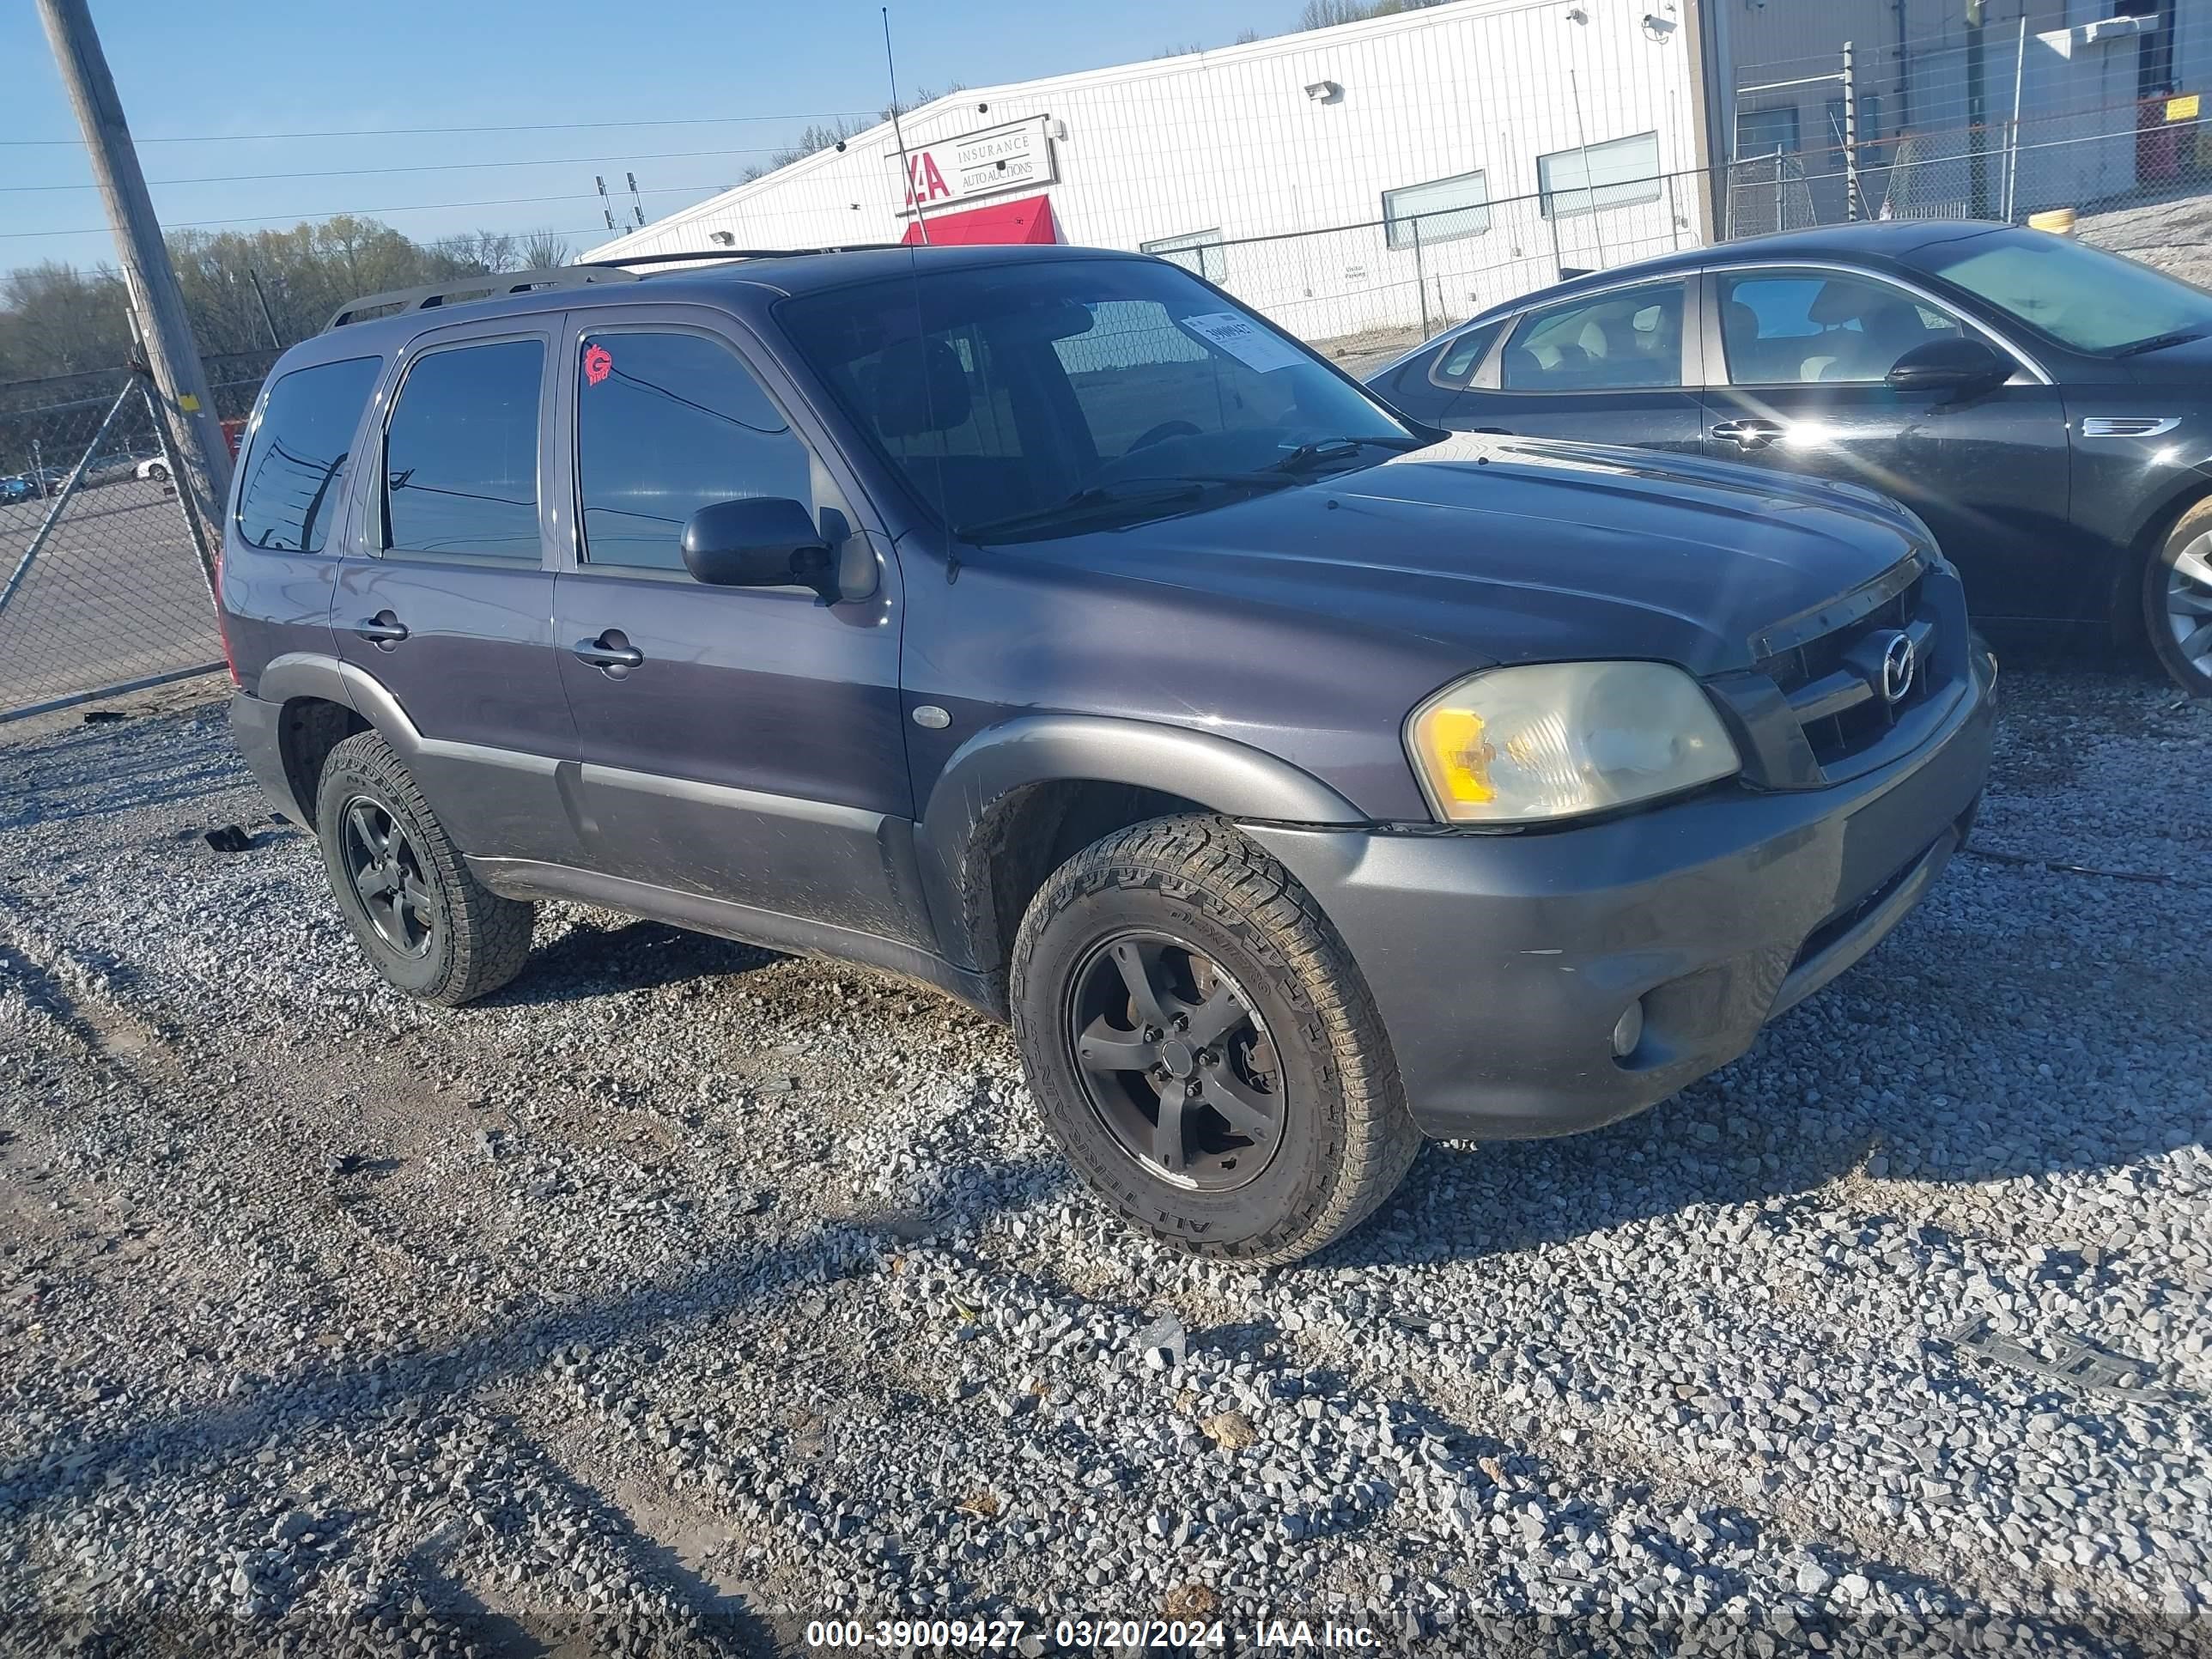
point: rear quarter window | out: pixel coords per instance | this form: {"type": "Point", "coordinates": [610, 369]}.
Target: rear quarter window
{"type": "Point", "coordinates": [1456, 364]}
{"type": "Point", "coordinates": [294, 476]}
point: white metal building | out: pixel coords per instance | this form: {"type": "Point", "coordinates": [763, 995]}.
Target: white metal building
{"type": "Point", "coordinates": [1530, 135]}
{"type": "Point", "coordinates": [1405, 171]}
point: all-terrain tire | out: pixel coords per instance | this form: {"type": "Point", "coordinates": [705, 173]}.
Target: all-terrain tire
{"type": "Point", "coordinates": [477, 941]}
{"type": "Point", "coordinates": [1347, 1139]}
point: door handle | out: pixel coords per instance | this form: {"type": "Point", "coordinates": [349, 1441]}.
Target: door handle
{"type": "Point", "coordinates": [1494, 431]}
{"type": "Point", "coordinates": [604, 653]}
{"type": "Point", "coordinates": [1748, 435]}
{"type": "Point", "coordinates": [382, 629]}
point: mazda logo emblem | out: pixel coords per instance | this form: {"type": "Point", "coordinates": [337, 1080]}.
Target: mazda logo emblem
{"type": "Point", "coordinates": [1899, 659]}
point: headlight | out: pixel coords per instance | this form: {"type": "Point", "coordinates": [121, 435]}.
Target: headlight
{"type": "Point", "coordinates": [1555, 740]}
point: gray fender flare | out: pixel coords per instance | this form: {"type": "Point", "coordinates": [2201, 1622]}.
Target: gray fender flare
{"type": "Point", "coordinates": [307, 674]}
{"type": "Point", "coordinates": [1231, 778]}
{"type": "Point", "coordinates": [311, 674]}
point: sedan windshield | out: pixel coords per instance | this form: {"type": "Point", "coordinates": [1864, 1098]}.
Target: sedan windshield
{"type": "Point", "coordinates": [1044, 398]}
{"type": "Point", "coordinates": [2080, 296]}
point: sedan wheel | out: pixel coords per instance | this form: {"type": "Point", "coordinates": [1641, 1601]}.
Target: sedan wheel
{"type": "Point", "coordinates": [2189, 603]}
{"type": "Point", "coordinates": [2178, 601]}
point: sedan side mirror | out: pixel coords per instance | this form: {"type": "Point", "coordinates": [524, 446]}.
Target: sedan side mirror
{"type": "Point", "coordinates": [759, 541]}
{"type": "Point", "coordinates": [1961, 365]}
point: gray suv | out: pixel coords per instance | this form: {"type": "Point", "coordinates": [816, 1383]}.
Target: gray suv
{"type": "Point", "coordinates": [1042, 625]}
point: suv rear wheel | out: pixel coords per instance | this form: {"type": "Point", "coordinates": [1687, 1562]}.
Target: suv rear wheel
{"type": "Point", "coordinates": [1204, 1048]}
{"type": "Point", "coordinates": [2178, 600]}
{"type": "Point", "coordinates": [431, 929]}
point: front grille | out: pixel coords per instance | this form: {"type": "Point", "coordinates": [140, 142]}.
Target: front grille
{"type": "Point", "coordinates": [1834, 682]}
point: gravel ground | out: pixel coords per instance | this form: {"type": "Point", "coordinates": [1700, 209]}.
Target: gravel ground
{"type": "Point", "coordinates": [682, 1294]}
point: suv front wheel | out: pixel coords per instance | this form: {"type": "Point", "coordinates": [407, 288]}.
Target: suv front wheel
{"type": "Point", "coordinates": [1204, 1048]}
{"type": "Point", "coordinates": [431, 929]}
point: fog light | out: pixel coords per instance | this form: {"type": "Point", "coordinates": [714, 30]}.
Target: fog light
{"type": "Point", "coordinates": [1628, 1030]}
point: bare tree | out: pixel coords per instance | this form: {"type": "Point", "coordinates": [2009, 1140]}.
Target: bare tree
{"type": "Point", "coordinates": [56, 319]}
{"type": "Point", "coordinates": [817, 138]}
{"type": "Point", "coordinates": [1328, 14]}
{"type": "Point", "coordinates": [543, 249]}
{"type": "Point", "coordinates": [480, 249]}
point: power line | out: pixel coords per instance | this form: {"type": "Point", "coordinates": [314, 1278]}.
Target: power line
{"type": "Point", "coordinates": [332, 213]}
{"type": "Point", "coordinates": [401, 132]}
{"type": "Point", "coordinates": [427, 166]}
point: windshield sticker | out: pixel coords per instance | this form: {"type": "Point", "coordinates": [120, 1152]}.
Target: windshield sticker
{"type": "Point", "coordinates": [1244, 340]}
{"type": "Point", "coordinates": [599, 363]}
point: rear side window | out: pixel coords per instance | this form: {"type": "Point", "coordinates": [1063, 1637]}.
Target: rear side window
{"type": "Point", "coordinates": [460, 455]}
{"type": "Point", "coordinates": [1627, 337]}
{"type": "Point", "coordinates": [294, 474]}
{"type": "Point", "coordinates": [666, 424]}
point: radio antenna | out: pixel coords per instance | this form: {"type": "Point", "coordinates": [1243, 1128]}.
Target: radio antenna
{"type": "Point", "coordinates": [906, 166]}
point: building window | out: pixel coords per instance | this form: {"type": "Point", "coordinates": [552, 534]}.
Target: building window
{"type": "Point", "coordinates": [1615, 174]}
{"type": "Point", "coordinates": [1765, 131]}
{"type": "Point", "coordinates": [1871, 153]}
{"type": "Point", "coordinates": [1442, 210]}
{"type": "Point", "coordinates": [1201, 252]}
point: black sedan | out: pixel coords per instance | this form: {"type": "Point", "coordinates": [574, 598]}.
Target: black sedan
{"type": "Point", "coordinates": [2045, 406]}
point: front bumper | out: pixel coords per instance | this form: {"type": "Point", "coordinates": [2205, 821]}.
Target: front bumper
{"type": "Point", "coordinates": [1501, 964]}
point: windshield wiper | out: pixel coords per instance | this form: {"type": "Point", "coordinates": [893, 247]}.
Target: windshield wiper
{"type": "Point", "coordinates": [1323, 451]}
{"type": "Point", "coordinates": [2172, 336]}
{"type": "Point", "coordinates": [1094, 501]}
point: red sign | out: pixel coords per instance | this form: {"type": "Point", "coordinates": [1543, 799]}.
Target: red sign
{"type": "Point", "coordinates": [925, 183]}
{"type": "Point", "coordinates": [1016, 157]}
{"type": "Point", "coordinates": [599, 363]}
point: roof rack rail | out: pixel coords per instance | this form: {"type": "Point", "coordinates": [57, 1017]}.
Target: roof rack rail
{"type": "Point", "coordinates": [738, 253]}
{"type": "Point", "coordinates": [464, 290]}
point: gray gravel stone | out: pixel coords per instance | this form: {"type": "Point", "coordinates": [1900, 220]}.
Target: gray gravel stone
{"type": "Point", "coordinates": [326, 1313]}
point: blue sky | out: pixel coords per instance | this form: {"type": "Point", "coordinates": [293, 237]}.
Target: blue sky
{"type": "Point", "coordinates": [237, 67]}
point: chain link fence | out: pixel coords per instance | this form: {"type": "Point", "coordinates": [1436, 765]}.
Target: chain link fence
{"type": "Point", "coordinates": [2102, 129]}
{"type": "Point", "coordinates": [103, 586]}
{"type": "Point", "coordinates": [1362, 293]}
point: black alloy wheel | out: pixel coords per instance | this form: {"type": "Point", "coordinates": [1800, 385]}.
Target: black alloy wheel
{"type": "Point", "coordinates": [388, 872]}
{"type": "Point", "coordinates": [1176, 1062]}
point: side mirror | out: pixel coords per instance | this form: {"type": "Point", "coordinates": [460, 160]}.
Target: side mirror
{"type": "Point", "coordinates": [1956, 365]}
{"type": "Point", "coordinates": [760, 542]}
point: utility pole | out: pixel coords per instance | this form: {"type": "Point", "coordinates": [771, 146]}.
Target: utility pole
{"type": "Point", "coordinates": [204, 457]}
{"type": "Point", "coordinates": [254, 276]}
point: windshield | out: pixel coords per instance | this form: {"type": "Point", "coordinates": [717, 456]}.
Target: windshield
{"type": "Point", "coordinates": [1050, 395]}
{"type": "Point", "coordinates": [2080, 296]}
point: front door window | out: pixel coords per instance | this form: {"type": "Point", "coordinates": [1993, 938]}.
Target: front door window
{"type": "Point", "coordinates": [1808, 328]}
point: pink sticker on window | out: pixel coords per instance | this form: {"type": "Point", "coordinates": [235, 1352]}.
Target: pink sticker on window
{"type": "Point", "coordinates": [599, 363]}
